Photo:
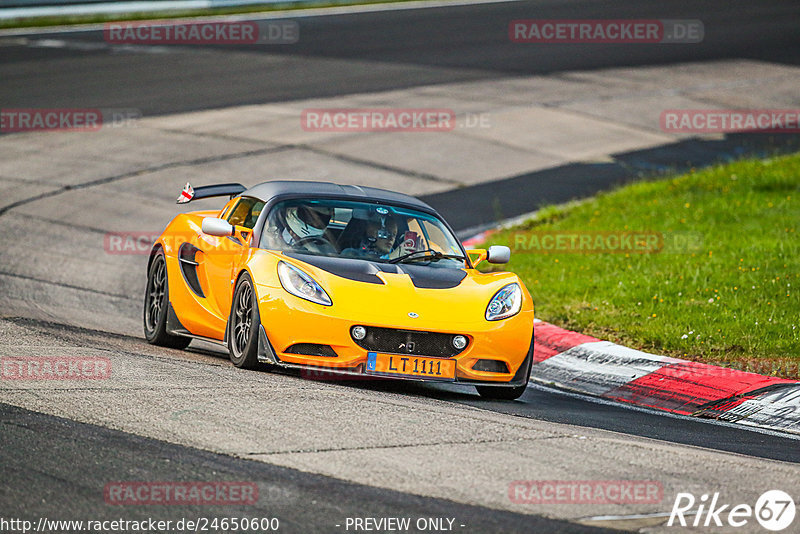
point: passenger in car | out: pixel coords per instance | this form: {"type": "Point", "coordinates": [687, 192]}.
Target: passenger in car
{"type": "Point", "coordinates": [378, 241]}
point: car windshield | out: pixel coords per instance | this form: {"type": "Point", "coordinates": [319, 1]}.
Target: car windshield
{"type": "Point", "coordinates": [361, 230]}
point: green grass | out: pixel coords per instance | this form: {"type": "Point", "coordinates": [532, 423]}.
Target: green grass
{"type": "Point", "coordinates": [64, 20]}
{"type": "Point", "coordinates": [732, 299]}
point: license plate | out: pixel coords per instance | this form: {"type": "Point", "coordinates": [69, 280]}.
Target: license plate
{"type": "Point", "coordinates": [410, 366]}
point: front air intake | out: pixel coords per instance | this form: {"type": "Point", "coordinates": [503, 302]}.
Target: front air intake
{"type": "Point", "coordinates": [490, 366]}
{"type": "Point", "coordinates": [416, 342]}
{"type": "Point", "coordinates": [312, 349]}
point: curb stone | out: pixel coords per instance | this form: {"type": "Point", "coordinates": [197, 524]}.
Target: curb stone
{"type": "Point", "coordinates": [585, 364]}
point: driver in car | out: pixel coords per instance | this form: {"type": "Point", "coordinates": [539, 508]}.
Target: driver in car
{"type": "Point", "coordinates": [378, 241]}
{"type": "Point", "coordinates": [305, 227]}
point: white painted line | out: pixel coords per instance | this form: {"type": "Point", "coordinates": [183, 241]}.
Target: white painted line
{"type": "Point", "coordinates": [624, 517]}
{"type": "Point", "coordinates": [72, 44]}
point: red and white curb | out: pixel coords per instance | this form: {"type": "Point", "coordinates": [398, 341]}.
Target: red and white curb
{"type": "Point", "coordinates": [477, 239]}
{"type": "Point", "coordinates": [585, 364]}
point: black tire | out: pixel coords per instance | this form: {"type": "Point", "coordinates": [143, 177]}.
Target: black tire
{"type": "Point", "coordinates": [243, 325]}
{"type": "Point", "coordinates": [501, 393]}
{"type": "Point", "coordinates": [156, 300]}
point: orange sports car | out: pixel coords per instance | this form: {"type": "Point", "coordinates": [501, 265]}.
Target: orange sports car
{"type": "Point", "coordinates": [345, 279]}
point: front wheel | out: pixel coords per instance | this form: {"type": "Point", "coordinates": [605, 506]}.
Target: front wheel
{"type": "Point", "coordinates": [243, 325]}
{"type": "Point", "coordinates": [501, 393]}
{"type": "Point", "coordinates": [156, 300]}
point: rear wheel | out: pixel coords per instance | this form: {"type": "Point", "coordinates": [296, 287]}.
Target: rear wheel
{"type": "Point", "coordinates": [156, 300]}
{"type": "Point", "coordinates": [243, 325]}
{"type": "Point", "coordinates": [501, 393]}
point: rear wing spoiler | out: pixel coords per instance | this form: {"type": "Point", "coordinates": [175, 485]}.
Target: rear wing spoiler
{"type": "Point", "coordinates": [190, 193]}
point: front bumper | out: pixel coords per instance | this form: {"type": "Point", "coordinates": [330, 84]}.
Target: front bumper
{"type": "Point", "coordinates": [266, 354]}
{"type": "Point", "coordinates": [292, 321]}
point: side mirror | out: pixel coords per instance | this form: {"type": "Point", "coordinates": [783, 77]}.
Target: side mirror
{"type": "Point", "coordinates": [498, 254]}
{"type": "Point", "coordinates": [217, 227]}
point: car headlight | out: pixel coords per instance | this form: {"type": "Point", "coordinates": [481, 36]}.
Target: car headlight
{"type": "Point", "coordinates": [505, 303]}
{"type": "Point", "coordinates": [301, 285]}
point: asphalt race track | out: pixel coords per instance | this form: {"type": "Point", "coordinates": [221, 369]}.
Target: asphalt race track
{"type": "Point", "coordinates": [275, 429]}
{"type": "Point", "coordinates": [290, 491]}
{"type": "Point", "coordinates": [377, 51]}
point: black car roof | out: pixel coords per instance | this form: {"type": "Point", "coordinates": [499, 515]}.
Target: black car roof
{"type": "Point", "coordinates": [268, 190]}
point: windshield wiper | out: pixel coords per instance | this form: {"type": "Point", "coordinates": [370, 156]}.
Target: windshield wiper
{"type": "Point", "coordinates": [429, 254]}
